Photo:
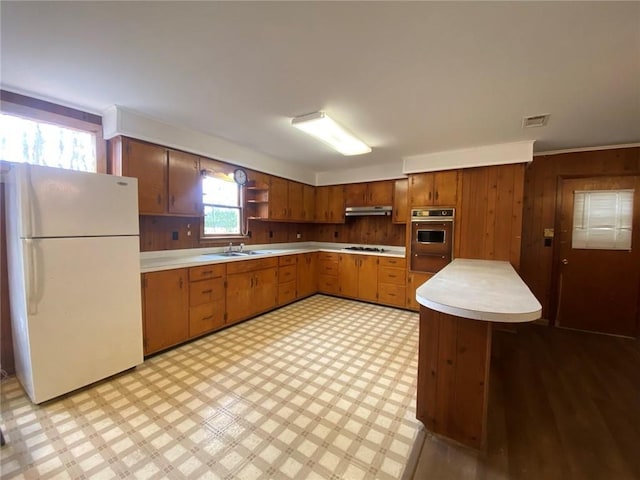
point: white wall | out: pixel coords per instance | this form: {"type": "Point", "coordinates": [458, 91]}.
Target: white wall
{"type": "Point", "coordinates": [117, 120]}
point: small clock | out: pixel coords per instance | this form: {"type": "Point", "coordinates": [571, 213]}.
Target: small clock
{"type": "Point", "coordinates": [240, 176]}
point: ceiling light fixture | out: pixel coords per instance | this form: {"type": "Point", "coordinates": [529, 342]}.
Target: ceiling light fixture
{"type": "Point", "coordinates": [321, 126]}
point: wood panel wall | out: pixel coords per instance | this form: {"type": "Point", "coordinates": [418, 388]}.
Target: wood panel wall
{"type": "Point", "coordinates": [542, 178]}
{"type": "Point", "coordinates": [157, 232]}
{"type": "Point", "coordinates": [490, 216]}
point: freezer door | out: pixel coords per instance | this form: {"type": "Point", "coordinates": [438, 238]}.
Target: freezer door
{"type": "Point", "coordinates": [53, 202]}
{"type": "Point", "coordinates": [83, 304]}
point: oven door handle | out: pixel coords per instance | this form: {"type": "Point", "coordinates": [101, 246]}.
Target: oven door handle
{"type": "Point", "coordinates": [430, 255]}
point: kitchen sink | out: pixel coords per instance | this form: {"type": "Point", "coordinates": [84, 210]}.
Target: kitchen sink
{"type": "Point", "coordinates": [247, 253]}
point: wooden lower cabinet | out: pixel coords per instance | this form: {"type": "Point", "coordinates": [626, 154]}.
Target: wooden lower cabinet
{"type": "Point", "coordinates": [307, 274]}
{"type": "Point", "coordinates": [414, 280]}
{"type": "Point", "coordinates": [392, 281]}
{"type": "Point", "coordinates": [165, 296]}
{"type": "Point", "coordinates": [358, 276]}
{"type": "Point", "coordinates": [207, 298]}
{"type": "Point", "coordinates": [252, 288]}
{"type": "Point", "coordinates": [328, 273]}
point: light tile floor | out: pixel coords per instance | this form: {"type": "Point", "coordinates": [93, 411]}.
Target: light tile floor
{"type": "Point", "coordinates": [324, 388]}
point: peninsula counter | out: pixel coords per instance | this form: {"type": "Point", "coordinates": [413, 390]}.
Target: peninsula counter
{"type": "Point", "coordinates": [458, 305]}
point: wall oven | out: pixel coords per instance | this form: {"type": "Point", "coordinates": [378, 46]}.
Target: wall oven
{"type": "Point", "coordinates": [431, 238]}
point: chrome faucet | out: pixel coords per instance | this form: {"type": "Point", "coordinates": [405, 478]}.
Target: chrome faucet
{"type": "Point", "coordinates": [241, 247]}
{"type": "Point", "coordinates": [230, 247]}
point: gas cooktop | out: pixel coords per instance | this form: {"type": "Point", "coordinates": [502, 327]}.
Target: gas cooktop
{"type": "Point", "coordinates": [365, 249]}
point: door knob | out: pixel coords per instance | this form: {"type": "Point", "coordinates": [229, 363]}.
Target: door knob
{"type": "Point", "coordinates": [565, 261]}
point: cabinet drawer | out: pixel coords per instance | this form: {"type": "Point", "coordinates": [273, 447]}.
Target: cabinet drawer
{"type": "Point", "coordinates": [207, 271]}
{"type": "Point", "coordinates": [328, 284]}
{"type": "Point", "coordinates": [392, 275]}
{"type": "Point", "coordinates": [204, 318]}
{"type": "Point", "coordinates": [251, 265]}
{"type": "Point", "coordinates": [206, 291]}
{"type": "Point", "coordinates": [393, 262]}
{"type": "Point", "coordinates": [286, 292]}
{"type": "Point", "coordinates": [287, 274]}
{"type": "Point", "coordinates": [392, 294]}
{"type": "Point", "coordinates": [328, 268]}
{"type": "Point", "coordinates": [287, 260]}
{"type": "Point", "coordinates": [327, 257]}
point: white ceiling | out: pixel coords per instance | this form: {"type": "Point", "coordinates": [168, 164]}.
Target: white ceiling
{"type": "Point", "coordinates": [408, 77]}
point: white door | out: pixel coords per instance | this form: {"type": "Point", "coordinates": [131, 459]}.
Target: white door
{"type": "Point", "coordinates": [54, 202]}
{"type": "Point", "coordinates": [84, 311]}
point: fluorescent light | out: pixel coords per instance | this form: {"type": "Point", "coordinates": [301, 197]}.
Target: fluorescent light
{"type": "Point", "coordinates": [321, 126]}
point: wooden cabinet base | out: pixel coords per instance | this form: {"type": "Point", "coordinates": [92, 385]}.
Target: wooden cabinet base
{"type": "Point", "coordinates": [453, 376]}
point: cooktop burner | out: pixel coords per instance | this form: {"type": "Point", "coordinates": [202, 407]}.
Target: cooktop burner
{"type": "Point", "coordinates": [365, 249]}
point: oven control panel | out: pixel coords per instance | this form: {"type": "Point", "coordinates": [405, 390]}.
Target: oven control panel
{"type": "Point", "coordinates": [422, 214]}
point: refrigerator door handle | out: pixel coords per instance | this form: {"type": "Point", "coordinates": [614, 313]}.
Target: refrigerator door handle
{"type": "Point", "coordinates": [31, 277]}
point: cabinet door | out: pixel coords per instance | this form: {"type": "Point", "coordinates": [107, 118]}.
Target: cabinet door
{"type": "Point", "coordinates": [308, 203]}
{"type": "Point", "coordinates": [421, 189]}
{"type": "Point", "coordinates": [147, 163]}
{"type": "Point", "coordinates": [239, 296]}
{"type": "Point", "coordinates": [368, 278]}
{"type": "Point", "coordinates": [295, 201]}
{"type": "Point", "coordinates": [185, 191]}
{"type": "Point", "coordinates": [265, 289]}
{"type": "Point", "coordinates": [400, 201]}
{"type": "Point", "coordinates": [445, 186]}
{"type": "Point", "coordinates": [348, 274]}
{"type": "Point", "coordinates": [380, 193]}
{"type": "Point", "coordinates": [414, 280]}
{"type": "Point", "coordinates": [322, 205]}
{"type": "Point", "coordinates": [307, 274]}
{"type": "Point", "coordinates": [278, 199]}
{"type": "Point", "coordinates": [166, 308]}
{"type": "Point", "coordinates": [336, 204]}
{"type": "Point", "coordinates": [355, 195]}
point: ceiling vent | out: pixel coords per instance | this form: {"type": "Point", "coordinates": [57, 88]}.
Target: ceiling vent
{"type": "Point", "coordinates": [535, 121]}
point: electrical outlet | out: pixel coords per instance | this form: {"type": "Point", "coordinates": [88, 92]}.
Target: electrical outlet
{"type": "Point", "coordinates": [298, 235]}
{"type": "Point", "coordinates": [174, 235]}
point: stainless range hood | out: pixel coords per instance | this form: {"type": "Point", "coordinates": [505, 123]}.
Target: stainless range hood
{"type": "Point", "coordinates": [367, 211]}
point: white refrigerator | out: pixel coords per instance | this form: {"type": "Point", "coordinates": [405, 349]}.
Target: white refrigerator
{"type": "Point", "coordinates": [74, 277]}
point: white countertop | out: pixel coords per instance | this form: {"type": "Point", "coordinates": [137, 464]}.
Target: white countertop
{"type": "Point", "coordinates": [170, 259]}
{"type": "Point", "coordinates": [481, 290]}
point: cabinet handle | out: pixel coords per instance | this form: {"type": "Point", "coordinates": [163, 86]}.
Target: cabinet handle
{"type": "Point", "coordinates": [210, 317]}
{"type": "Point", "coordinates": [173, 200]}
{"type": "Point", "coordinates": [180, 282]}
{"type": "Point", "coordinates": [256, 281]}
{"type": "Point", "coordinates": [252, 281]}
{"type": "Point", "coordinates": [207, 272]}
{"type": "Point", "coordinates": [437, 194]}
{"type": "Point", "coordinates": [207, 291]}
{"type": "Point", "coordinates": [429, 195]}
{"type": "Point", "coordinates": [392, 276]}
{"type": "Point", "coordinates": [159, 199]}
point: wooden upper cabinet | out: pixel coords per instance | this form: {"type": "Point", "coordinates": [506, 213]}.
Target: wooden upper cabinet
{"type": "Point", "coordinates": [330, 203]}
{"type": "Point", "coordinates": [336, 204]}
{"type": "Point", "coordinates": [368, 194]}
{"type": "Point", "coordinates": [185, 185]}
{"type": "Point", "coordinates": [401, 201]}
{"type": "Point", "coordinates": [147, 163]}
{"type": "Point", "coordinates": [355, 195]}
{"type": "Point", "coordinates": [295, 201]}
{"type": "Point", "coordinates": [434, 189]}
{"type": "Point", "coordinates": [380, 193]}
{"type": "Point", "coordinates": [168, 181]}
{"type": "Point", "coordinates": [278, 199]}
{"type": "Point", "coordinates": [308, 203]}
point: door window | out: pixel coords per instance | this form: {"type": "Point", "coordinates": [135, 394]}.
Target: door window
{"type": "Point", "coordinates": [602, 219]}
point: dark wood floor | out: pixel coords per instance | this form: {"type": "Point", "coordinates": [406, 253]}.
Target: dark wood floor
{"type": "Point", "coordinates": [563, 405]}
